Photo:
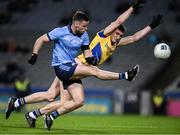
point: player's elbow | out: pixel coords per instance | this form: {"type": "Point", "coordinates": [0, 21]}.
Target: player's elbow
{"type": "Point", "coordinates": [42, 39]}
{"type": "Point", "coordinates": [134, 38]}
{"type": "Point", "coordinates": [39, 41]}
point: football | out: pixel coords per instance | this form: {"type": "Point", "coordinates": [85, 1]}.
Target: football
{"type": "Point", "coordinates": [162, 51]}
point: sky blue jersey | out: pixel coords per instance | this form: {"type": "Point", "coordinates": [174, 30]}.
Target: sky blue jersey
{"type": "Point", "coordinates": [66, 44]}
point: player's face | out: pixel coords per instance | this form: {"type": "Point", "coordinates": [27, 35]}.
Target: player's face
{"type": "Point", "coordinates": [81, 26]}
{"type": "Point", "coordinates": [116, 36]}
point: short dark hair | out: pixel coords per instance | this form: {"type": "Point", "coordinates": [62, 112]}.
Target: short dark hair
{"type": "Point", "coordinates": [122, 28]}
{"type": "Point", "coordinates": [80, 16]}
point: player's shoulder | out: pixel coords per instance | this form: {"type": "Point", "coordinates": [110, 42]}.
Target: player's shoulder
{"type": "Point", "coordinates": [101, 34]}
{"type": "Point", "coordinates": [60, 29]}
{"type": "Point", "coordinates": [85, 34]}
{"type": "Point", "coordinates": [64, 28]}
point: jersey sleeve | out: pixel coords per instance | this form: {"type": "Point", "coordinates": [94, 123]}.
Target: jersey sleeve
{"type": "Point", "coordinates": [85, 39]}
{"type": "Point", "coordinates": [54, 34]}
{"type": "Point", "coordinates": [101, 34]}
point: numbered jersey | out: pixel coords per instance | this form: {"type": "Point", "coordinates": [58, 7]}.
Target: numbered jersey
{"type": "Point", "coordinates": [100, 47]}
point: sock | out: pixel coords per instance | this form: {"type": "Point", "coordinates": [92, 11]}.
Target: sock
{"type": "Point", "coordinates": [54, 115]}
{"type": "Point", "coordinates": [123, 76]}
{"type": "Point", "coordinates": [35, 114]}
{"type": "Point", "coordinates": [19, 102]}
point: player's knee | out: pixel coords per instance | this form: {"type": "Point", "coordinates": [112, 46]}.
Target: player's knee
{"type": "Point", "coordinates": [50, 97]}
{"type": "Point", "coordinates": [95, 71]}
{"type": "Point", "coordinates": [79, 103]}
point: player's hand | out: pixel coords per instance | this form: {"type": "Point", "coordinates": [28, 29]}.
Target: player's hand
{"type": "Point", "coordinates": [32, 59]}
{"type": "Point", "coordinates": [95, 62]}
{"type": "Point", "coordinates": [157, 20]}
{"type": "Point", "coordinates": [138, 4]}
{"type": "Point", "coordinates": [92, 60]}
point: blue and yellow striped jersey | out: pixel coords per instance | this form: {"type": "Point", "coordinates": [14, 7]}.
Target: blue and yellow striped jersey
{"type": "Point", "coordinates": [100, 47]}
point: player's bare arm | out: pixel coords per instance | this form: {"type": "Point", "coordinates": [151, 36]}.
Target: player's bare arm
{"type": "Point", "coordinates": [37, 46]}
{"type": "Point", "coordinates": [122, 18]}
{"type": "Point", "coordinates": [39, 42]}
{"type": "Point", "coordinates": [135, 37]}
{"type": "Point", "coordinates": [157, 20]}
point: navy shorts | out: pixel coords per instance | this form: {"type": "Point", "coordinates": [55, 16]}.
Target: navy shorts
{"type": "Point", "coordinates": [65, 70]}
{"type": "Point", "coordinates": [64, 73]}
{"type": "Point", "coordinates": [69, 82]}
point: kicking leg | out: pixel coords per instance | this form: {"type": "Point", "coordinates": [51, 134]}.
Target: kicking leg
{"type": "Point", "coordinates": [83, 71]}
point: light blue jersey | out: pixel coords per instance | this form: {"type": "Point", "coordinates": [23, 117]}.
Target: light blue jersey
{"type": "Point", "coordinates": [66, 45]}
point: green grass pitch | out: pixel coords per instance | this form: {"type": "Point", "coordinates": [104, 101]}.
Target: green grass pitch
{"type": "Point", "coordinates": [93, 124]}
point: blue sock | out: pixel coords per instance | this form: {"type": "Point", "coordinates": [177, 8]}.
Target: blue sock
{"type": "Point", "coordinates": [54, 115]}
{"type": "Point", "coordinates": [122, 76]}
{"type": "Point", "coordinates": [37, 113]}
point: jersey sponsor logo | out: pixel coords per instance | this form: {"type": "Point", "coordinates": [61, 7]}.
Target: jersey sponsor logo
{"type": "Point", "coordinates": [109, 48]}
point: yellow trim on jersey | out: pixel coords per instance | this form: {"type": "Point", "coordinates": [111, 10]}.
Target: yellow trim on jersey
{"type": "Point", "coordinates": [100, 47]}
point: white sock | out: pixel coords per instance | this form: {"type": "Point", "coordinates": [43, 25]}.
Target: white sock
{"type": "Point", "coordinates": [31, 114]}
{"type": "Point", "coordinates": [126, 75]}
{"type": "Point", "coordinates": [51, 117]}
{"type": "Point", "coordinates": [16, 104]}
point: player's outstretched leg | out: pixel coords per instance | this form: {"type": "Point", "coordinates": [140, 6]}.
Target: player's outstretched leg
{"type": "Point", "coordinates": [10, 108]}
{"type": "Point", "coordinates": [48, 121]}
{"type": "Point", "coordinates": [131, 74]}
{"type": "Point", "coordinates": [30, 120]}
